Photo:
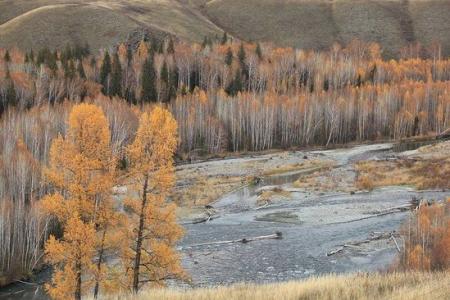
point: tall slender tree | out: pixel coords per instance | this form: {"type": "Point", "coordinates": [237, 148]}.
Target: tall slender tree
{"type": "Point", "coordinates": [153, 231]}
{"type": "Point", "coordinates": [148, 93]}
{"type": "Point", "coordinates": [105, 72]}
{"type": "Point", "coordinates": [81, 172]}
{"type": "Point", "coordinates": [116, 77]}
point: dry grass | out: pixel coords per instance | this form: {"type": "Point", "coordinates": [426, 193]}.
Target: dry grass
{"type": "Point", "coordinates": [267, 196]}
{"type": "Point", "coordinates": [205, 190]}
{"type": "Point", "coordinates": [101, 23]}
{"type": "Point", "coordinates": [422, 174]}
{"type": "Point", "coordinates": [313, 24]}
{"type": "Point", "coordinates": [57, 25]}
{"type": "Point", "coordinates": [317, 24]}
{"type": "Point", "coordinates": [326, 179]}
{"type": "Point", "coordinates": [406, 286]}
{"type": "Point", "coordinates": [308, 166]}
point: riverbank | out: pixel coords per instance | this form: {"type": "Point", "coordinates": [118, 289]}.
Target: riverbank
{"type": "Point", "coordinates": [407, 286]}
{"type": "Point", "coordinates": [254, 196]}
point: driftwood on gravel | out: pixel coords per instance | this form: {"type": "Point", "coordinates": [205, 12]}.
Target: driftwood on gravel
{"type": "Point", "coordinates": [374, 237]}
{"type": "Point", "coordinates": [380, 213]}
{"type": "Point", "coordinates": [277, 235]}
{"type": "Point", "coordinates": [201, 220]}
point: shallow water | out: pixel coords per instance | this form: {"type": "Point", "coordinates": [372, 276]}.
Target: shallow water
{"type": "Point", "coordinates": [311, 226]}
{"type": "Point", "coordinates": [408, 146]}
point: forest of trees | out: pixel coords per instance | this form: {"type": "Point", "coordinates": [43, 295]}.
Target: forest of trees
{"type": "Point", "coordinates": [224, 96]}
{"type": "Point", "coordinates": [232, 96]}
{"type": "Point", "coordinates": [427, 244]}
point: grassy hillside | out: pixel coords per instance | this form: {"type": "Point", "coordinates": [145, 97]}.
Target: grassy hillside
{"type": "Point", "coordinates": [101, 23]}
{"type": "Point", "coordinates": [317, 24]}
{"type": "Point", "coordinates": [76, 23]}
{"type": "Point", "coordinates": [299, 23]}
{"type": "Point", "coordinates": [393, 286]}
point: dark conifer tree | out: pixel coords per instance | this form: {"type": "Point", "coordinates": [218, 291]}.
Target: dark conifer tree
{"type": "Point", "coordinates": [224, 38]}
{"type": "Point", "coordinates": [86, 50]}
{"type": "Point", "coordinates": [165, 78]}
{"type": "Point", "coordinates": [258, 51]}
{"type": "Point", "coordinates": [10, 95]}
{"type": "Point", "coordinates": [116, 77]}
{"type": "Point", "coordinates": [80, 70]}
{"type": "Point", "coordinates": [129, 56]}
{"type": "Point", "coordinates": [105, 72]}
{"type": "Point", "coordinates": [242, 55]}
{"type": "Point", "coordinates": [7, 57]}
{"type": "Point", "coordinates": [148, 81]}
{"type": "Point", "coordinates": [31, 55]}
{"type": "Point", "coordinates": [170, 47]}
{"type": "Point", "coordinates": [51, 63]}
{"type": "Point", "coordinates": [229, 57]}
{"type": "Point", "coordinates": [235, 85]}
{"type": "Point", "coordinates": [173, 84]}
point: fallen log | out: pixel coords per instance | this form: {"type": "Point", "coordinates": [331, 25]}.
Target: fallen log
{"type": "Point", "coordinates": [333, 252]}
{"type": "Point", "coordinates": [278, 235]}
{"type": "Point", "coordinates": [444, 135]}
{"type": "Point", "coordinates": [202, 220]}
{"type": "Point", "coordinates": [403, 207]}
{"type": "Point", "coordinates": [395, 241]}
{"type": "Point", "coordinates": [355, 244]}
{"type": "Point", "coordinates": [379, 214]}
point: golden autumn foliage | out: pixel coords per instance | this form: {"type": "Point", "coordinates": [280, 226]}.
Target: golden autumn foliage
{"type": "Point", "coordinates": [427, 238]}
{"type": "Point", "coordinates": [81, 173]}
{"type": "Point", "coordinates": [152, 230]}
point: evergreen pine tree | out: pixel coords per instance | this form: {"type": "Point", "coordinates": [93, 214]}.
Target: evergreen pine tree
{"type": "Point", "coordinates": [173, 84]}
{"type": "Point", "coordinates": [51, 63]}
{"type": "Point", "coordinates": [148, 81]}
{"type": "Point", "coordinates": [235, 85]}
{"type": "Point", "coordinates": [206, 42]}
{"type": "Point", "coordinates": [224, 38]}
{"type": "Point", "coordinates": [242, 55]}
{"type": "Point", "coordinates": [165, 73]}
{"type": "Point", "coordinates": [165, 82]}
{"type": "Point", "coordinates": [259, 51]}
{"type": "Point", "coordinates": [116, 77]}
{"type": "Point", "coordinates": [105, 72]}
{"type": "Point", "coordinates": [11, 96]}
{"type": "Point", "coordinates": [129, 56]}
{"type": "Point", "coordinates": [86, 50]}
{"type": "Point", "coordinates": [7, 57]}
{"type": "Point", "coordinates": [170, 47]}
{"type": "Point", "coordinates": [31, 55]}
{"type": "Point", "coordinates": [80, 70]}
{"type": "Point", "coordinates": [130, 95]}
{"type": "Point", "coordinates": [229, 57]}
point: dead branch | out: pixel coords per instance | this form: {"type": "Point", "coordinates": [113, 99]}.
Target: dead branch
{"type": "Point", "coordinates": [381, 213]}
{"type": "Point", "coordinates": [395, 241]}
{"type": "Point", "coordinates": [278, 235]}
{"type": "Point", "coordinates": [355, 244]}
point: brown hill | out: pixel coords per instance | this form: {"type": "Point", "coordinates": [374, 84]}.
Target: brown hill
{"type": "Point", "coordinates": [315, 24]}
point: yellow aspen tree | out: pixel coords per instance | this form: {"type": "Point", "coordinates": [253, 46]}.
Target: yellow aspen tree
{"type": "Point", "coordinates": [152, 230]}
{"type": "Point", "coordinates": [81, 171]}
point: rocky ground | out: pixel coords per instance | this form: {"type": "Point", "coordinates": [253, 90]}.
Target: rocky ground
{"type": "Point", "coordinates": [322, 230]}
{"type": "Point", "coordinates": [308, 197]}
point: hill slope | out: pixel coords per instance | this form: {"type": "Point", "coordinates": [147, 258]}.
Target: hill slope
{"type": "Point", "coordinates": [299, 23]}
{"type": "Point", "coordinates": [317, 24]}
